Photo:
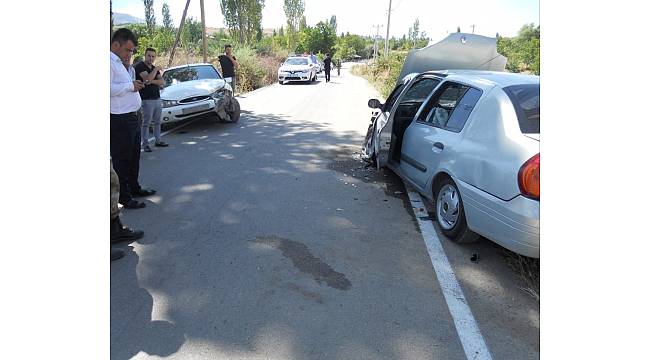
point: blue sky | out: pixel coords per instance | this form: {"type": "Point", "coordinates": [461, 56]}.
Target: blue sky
{"type": "Point", "coordinates": [358, 17]}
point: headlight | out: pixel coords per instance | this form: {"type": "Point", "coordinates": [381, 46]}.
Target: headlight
{"type": "Point", "coordinates": [169, 103]}
{"type": "Point", "coordinates": [219, 94]}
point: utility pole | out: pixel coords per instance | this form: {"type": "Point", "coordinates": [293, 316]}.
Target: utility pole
{"type": "Point", "coordinates": [390, 2]}
{"type": "Point", "coordinates": [472, 28]}
{"type": "Point", "coordinates": [178, 34]}
{"type": "Point", "coordinates": [376, 37]}
{"type": "Point", "coordinates": [205, 46]}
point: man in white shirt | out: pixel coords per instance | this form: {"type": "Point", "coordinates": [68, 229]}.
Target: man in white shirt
{"type": "Point", "coordinates": [125, 128]}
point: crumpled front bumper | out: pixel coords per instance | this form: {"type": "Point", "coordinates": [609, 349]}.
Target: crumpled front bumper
{"type": "Point", "coordinates": [186, 111]}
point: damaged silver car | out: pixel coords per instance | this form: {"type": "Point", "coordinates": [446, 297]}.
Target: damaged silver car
{"type": "Point", "coordinates": [468, 141]}
{"type": "Point", "coordinates": [197, 90]}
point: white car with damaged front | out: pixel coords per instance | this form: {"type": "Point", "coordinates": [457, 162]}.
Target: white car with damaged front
{"type": "Point", "coordinates": [298, 68]}
{"type": "Point", "coordinates": [194, 90]}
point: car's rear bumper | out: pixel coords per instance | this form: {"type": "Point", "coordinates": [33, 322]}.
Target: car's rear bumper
{"type": "Point", "coordinates": [186, 111]}
{"type": "Point", "coordinates": [513, 224]}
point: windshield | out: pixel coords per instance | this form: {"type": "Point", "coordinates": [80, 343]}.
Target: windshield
{"type": "Point", "coordinates": [525, 98]}
{"type": "Point", "coordinates": [198, 72]}
{"type": "Point", "coordinates": [296, 61]}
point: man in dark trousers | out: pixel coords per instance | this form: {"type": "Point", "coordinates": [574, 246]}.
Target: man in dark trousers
{"type": "Point", "coordinates": [228, 64]}
{"type": "Point", "coordinates": [328, 67]}
{"type": "Point", "coordinates": [125, 127]}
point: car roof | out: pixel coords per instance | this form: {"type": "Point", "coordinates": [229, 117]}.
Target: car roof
{"type": "Point", "coordinates": [187, 65]}
{"type": "Point", "coordinates": [485, 79]}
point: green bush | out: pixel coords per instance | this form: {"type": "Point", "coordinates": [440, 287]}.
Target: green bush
{"type": "Point", "coordinates": [383, 73]}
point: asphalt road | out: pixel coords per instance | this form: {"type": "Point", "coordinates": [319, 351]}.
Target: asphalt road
{"type": "Point", "coordinates": [270, 239]}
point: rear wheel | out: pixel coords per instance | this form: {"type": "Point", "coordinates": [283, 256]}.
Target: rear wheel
{"type": "Point", "coordinates": [450, 213]}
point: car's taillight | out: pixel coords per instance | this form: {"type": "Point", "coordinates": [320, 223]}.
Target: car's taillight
{"type": "Point", "coordinates": [529, 178]}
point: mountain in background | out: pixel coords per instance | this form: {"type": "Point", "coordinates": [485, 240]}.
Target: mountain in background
{"type": "Point", "coordinates": [119, 19]}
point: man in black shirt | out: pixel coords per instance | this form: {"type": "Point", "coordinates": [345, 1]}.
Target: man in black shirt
{"type": "Point", "coordinates": [328, 67]}
{"type": "Point", "coordinates": [228, 64]}
{"type": "Point", "coordinates": [150, 94]}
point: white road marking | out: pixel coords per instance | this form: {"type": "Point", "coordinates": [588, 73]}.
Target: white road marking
{"type": "Point", "coordinates": [466, 327]}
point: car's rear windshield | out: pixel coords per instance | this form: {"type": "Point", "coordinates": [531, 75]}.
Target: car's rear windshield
{"type": "Point", "coordinates": [200, 72]}
{"type": "Point", "coordinates": [525, 98]}
{"type": "Point", "coordinates": [296, 61]}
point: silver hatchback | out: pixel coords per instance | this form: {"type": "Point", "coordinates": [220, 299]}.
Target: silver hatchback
{"type": "Point", "coordinates": [469, 142]}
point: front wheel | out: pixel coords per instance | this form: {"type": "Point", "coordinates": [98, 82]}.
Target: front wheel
{"type": "Point", "coordinates": [234, 110]}
{"type": "Point", "coordinates": [368, 150]}
{"type": "Point", "coordinates": [450, 213]}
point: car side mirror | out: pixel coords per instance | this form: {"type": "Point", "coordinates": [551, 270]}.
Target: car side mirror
{"type": "Point", "coordinates": [374, 104]}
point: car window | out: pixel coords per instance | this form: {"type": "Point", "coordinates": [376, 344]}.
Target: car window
{"type": "Point", "coordinates": [296, 61]}
{"type": "Point", "coordinates": [414, 97]}
{"type": "Point", "coordinates": [420, 90]}
{"type": "Point", "coordinates": [462, 111]}
{"type": "Point", "coordinates": [525, 99]}
{"type": "Point", "coordinates": [174, 76]}
{"type": "Point", "coordinates": [393, 96]}
{"type": "Point", "coordinates": [450, 107]}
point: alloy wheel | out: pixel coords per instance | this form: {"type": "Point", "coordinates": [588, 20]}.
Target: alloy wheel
{"type": "Point", "coordinates": [447, 207]}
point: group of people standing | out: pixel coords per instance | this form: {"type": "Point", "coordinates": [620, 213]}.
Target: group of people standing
{"type": "Point", "coordinates": [134, 104]}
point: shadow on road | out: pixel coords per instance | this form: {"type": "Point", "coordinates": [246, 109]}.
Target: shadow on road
{"type": "Point", "coordinates": [131, 308]}
{"type": "Point", "coordinates": [249, 281]}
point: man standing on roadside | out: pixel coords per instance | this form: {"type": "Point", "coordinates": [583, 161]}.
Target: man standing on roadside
{"type": "Point", "coordinates": [149, 74]}
{"type": "Point", "coordinates": [125, 128]}
{"type": "Point", "coordinates": [228, 64]}
{"type": "Point", "coordinates": [328, 67]}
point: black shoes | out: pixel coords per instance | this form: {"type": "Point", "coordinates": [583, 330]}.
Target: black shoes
{"type": "Point", "coordinates": [133, 204]}
{"type": "Point", "coordinates": [116, 254]}
{"type": "Point", "coordinates": [143, 192]}
{"type": "Point", "coordinates": [161, 144]}
{"type": "Point", "coordinates": [121, 233]}
{"type": "Point", "coordinates": [146, 148]}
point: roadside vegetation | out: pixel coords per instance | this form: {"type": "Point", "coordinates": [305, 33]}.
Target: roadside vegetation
{"type": "Point", "coordinates": [259, 52]}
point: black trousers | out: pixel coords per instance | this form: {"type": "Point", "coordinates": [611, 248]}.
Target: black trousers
{"type": "Point", "coordinates": [327, 74]}
{"type": "Point", "coordinates": [125, 152]}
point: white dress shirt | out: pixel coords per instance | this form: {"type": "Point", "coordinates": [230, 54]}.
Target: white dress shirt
{"type": "Point", "coordinates": [123, 98]}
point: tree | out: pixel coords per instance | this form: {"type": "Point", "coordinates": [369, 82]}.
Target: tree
{"type": "Point", "coordinates": [522, 50]}
{"type": "Point", "coordinates": [149, 16]}
{"type": "Point", "coordinates": [416, 30]}
{"type": "Point", "coordinates": [320, 38]}
{"type": "Point", "coordinates": [192, 32]}
{"type": "Point", "coordinates": [303, 23]}
{"type": "Point", "coordinates": [293, 10]}
{"type": "Point", "coordinates": [243, 18]}
{"type": "Point", "coordinates": [458, 29]}
{"type": "Point", "coordinates": [333, 23]}
{"type": "Point", "coordinates": [168, 23]}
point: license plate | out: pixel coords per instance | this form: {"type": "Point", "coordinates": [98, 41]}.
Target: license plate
{"type": "Point", "coordinates": [197, 108]}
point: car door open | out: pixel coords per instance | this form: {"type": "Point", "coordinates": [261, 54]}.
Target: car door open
{"type": "Point", "coordinates": [389, 142]}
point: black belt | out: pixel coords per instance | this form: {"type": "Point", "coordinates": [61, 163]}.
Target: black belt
{"type": "Point", "coordinates": [129, 113]}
